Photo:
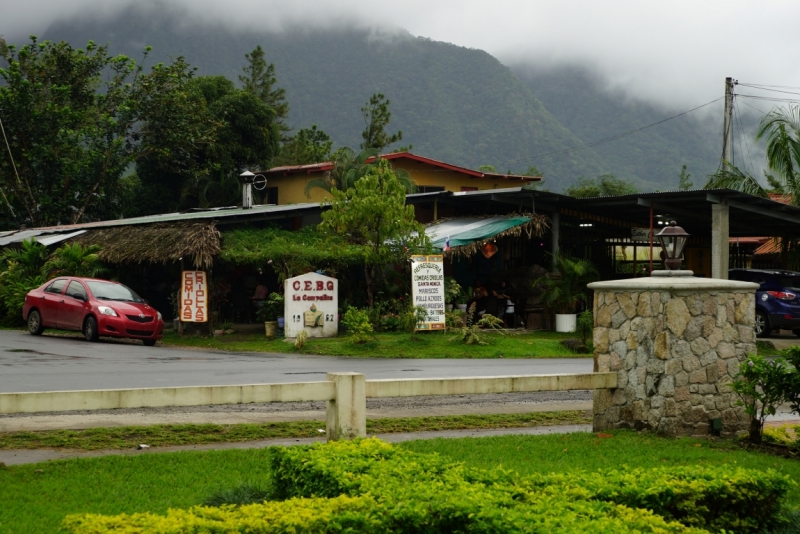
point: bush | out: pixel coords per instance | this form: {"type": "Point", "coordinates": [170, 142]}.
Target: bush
{"type": "Point", "coordinates": [371, 486]}
{"type": "Point", "coordinates": [762, 386]}
{"type": "Point", "coordinates": [271, 309]}
{"type": "Point", "coordinates": [358, 324]}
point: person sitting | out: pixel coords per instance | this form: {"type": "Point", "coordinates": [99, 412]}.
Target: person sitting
{"type": "Point", "coordinates": [259, 296]}
{"type": "Point", "coordinates": [505, 303]}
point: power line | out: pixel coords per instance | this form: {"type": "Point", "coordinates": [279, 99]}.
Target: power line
{"type": "Point", "coordinates": [743, 136]}
{"type": "Point", "coordinates": [606, 139]}
{"type": "Point", "coordinates": [770, 98]}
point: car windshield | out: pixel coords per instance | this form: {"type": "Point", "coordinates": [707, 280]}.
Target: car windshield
{"type": "Point", "coordinates": [109, 291]}
{"type": "Point", "coordinates": [790, 282]}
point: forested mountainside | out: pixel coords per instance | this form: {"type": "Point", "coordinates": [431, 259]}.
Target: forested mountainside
{"type": "Point", "coordinates": [452, 103]}
{"type": "Point", "coordinates": [578, 99]}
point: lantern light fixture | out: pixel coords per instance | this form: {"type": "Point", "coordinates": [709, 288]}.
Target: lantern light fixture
{"type": "Point", "coordinates": [673, 240]}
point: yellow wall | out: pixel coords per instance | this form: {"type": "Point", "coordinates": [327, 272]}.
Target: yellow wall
{"type": "Point", "coordinates": [291, 187]}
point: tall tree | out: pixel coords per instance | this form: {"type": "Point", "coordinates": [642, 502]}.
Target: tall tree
{"type": "Point", "coordinates": [684, 181]}
{"type": "Point", "coordinates": [76, 120]}
{"type": "Point", "coordinates": [259, 79]}
{"type": "Point", "coordinates": [373, 213]}
{"type": "Point", "coordinates": [377, 116]}
{"type": "Point", "coordinates": [603, 185]}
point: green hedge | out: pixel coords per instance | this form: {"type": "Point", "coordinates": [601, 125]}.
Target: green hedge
{"type": "Point", "coordinates": [371, 486]}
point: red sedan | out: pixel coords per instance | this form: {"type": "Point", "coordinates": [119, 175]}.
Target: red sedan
{"type": "Point", "coordinates": [94, 307]}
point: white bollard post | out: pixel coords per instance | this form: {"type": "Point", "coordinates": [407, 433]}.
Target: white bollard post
{"type": "Point", "coordinates": [347, 413]}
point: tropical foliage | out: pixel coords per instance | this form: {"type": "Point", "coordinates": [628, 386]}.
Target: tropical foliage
{"type": "Point", "coordinates": [565, 288]}
{"type": "Point", "coordinates": [603, 185]}
{"type": "Point", "coordinates": [373, 214]}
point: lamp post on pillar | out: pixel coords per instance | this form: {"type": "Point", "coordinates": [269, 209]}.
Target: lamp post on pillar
{"type": "Point", "coordinates": [673, 240]}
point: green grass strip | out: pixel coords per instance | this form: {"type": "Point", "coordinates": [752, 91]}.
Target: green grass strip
{"type": "Point", "coordinates": [128, 437]}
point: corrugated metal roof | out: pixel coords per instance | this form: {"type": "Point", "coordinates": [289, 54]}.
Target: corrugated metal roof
{"type": "Point", "coordinates": [57, 238]}
{"type": "Point", "coordinates": [19, 236]}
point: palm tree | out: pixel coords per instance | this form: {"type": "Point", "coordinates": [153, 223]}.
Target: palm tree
{"type": "Point", "coordinates": [781, 129]}
{"type": "Point", "coordinates": [563, 289]}
{"type": "Point", "coordinates": [349, 167]}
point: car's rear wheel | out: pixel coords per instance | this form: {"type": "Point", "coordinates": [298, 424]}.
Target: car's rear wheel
{"type": "Point", "coordinates": [149, 342]}
{"type": "Point", "coordinates": [796, 332]}
{"type": "Point", "coordinates": [90, 329]}
{"type": "Point", "coordinates": [35, 323]}
{"type": "Point", "coordinates": [762, 324]}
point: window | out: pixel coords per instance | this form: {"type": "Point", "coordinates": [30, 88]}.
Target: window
{"type": "Point", "coordinates": [429, 189]}
{"type": "Point", "coordinates": [113, 291]}
{"type": "Point", "coordinates": [76, 290]}
{"type": "Point", "coordinates": [56, 287]}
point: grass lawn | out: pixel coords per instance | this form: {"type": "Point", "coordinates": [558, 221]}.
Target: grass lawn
{"type": "Point", "coordinates": [165, 435]}
{"type": "Point", "coordinates": [36, 497]}
{"type": "Point", "coordinates": [394, 345]}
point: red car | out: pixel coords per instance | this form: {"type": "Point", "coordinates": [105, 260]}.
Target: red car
{"type": "Point", "coordinates": [94, 307]}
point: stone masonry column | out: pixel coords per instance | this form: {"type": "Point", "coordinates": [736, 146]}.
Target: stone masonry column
{"type": "Point", "coordinates": [676, 342]}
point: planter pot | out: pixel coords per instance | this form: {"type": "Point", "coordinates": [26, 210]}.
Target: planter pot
{"type": "Point", "coordinates": [462, 307]}
{"type": "Point", "coordinates": [176, 324]}
{"type": "Point", "coordinates": [270, 328]}
{"type": "Point", "coordinates": [280, 322]}
{"type": "Point", "coordinates": [566, 322]}
{"type": "Point", "coordinates": [448, 307]}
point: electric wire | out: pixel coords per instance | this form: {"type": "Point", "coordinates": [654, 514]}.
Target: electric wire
{"type": "Point", "coordinates": [738, 116]}
{"type": "Point", "coordinates": [604, 140]}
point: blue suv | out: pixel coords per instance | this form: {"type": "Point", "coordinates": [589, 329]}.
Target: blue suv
{"type": "Point", "coordinates": [777, 298]}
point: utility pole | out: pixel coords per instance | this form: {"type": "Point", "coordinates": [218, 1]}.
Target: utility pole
{"type": "Point", "coordinates": [727, 133]}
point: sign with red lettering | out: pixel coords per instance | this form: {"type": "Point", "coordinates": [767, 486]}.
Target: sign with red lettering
{"type": "Point", "coordinates": [194, 297]}
{"type": "Point", "coordinates": [311, 303]}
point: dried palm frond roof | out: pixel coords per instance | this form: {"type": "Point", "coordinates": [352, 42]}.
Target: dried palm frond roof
{"type": "Point", "coordinates": [198, 242]}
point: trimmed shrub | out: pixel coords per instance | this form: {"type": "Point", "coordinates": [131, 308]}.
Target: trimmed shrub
{"type": "Point", "coordinates": [370, 486]}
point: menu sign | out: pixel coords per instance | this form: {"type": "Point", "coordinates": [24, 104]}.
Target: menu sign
{"type": "Point", "coordinates": [427, 289]}
{"type": "Point", "coordinates": [194, 297]}
{"type": "Point", "coordinates": [640, 234]}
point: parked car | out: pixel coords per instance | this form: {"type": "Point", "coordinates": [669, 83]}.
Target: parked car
{"type": "Point", "coordinates": [94, 307]}
{"type": "Point", "coordinates": [777, 299]}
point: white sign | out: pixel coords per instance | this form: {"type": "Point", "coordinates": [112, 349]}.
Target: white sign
{"type": "Point", "coordinates": [194, 297]}
{"type": "Point", "coordinates": [427, 289]}
{"type": "Point", "coordinates": [640, 234]}
{"type": "Point", "coordinates": [311, 303]}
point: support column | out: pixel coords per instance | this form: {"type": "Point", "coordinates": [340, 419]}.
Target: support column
{"type": "Point", "coordinates": [720, 240]}
{"type": "Point", "coordinates": [555, 230]}
{"type": "Point", "coordinates": [346, 415]}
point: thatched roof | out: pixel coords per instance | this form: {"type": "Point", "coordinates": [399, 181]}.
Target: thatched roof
{"type": "Point", "coordinates": [197, 242]}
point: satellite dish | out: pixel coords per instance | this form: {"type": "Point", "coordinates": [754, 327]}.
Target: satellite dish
{"type": "Point", "coordinates": [260, 181]}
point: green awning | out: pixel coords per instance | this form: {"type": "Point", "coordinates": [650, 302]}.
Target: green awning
{"type": "Point", "coordinates": [464, 231]}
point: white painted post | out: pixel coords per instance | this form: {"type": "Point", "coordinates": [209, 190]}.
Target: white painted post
{"type": "Point", "coordinates": [346, 416]}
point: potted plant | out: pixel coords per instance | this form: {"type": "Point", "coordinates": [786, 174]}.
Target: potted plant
{"type": "Point", "coordinates": [564, 288]}
{"type": "Point", "coordinates": [452, 291]}
{"type": "Point", "coordinates": [269, 311]}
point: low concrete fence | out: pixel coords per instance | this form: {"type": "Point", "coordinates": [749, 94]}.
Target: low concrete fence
{"type": "Point", "coordinates": [345, 393]}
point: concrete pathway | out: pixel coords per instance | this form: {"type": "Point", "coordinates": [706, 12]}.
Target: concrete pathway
{"type": "Point", "coordinates": [17, 457]}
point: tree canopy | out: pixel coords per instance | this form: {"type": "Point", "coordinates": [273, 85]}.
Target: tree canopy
{"type": "Point", "coordinates": [603, 185]}
{"type": "Point", "coordinates": [373, 214]}
{"type": "Point", "coordinates": [259, 80]}
{"type": "Point", "coordinates": [76, 120]}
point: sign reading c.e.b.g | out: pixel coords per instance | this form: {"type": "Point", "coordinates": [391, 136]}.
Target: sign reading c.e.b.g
{"type": "Point", "coordinates": [311, 303]}
{"type": "Point", "coordinates": [427, 289]}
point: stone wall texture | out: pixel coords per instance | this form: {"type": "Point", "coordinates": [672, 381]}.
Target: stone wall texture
{"type": "Point", "coordinates": [676, 353]}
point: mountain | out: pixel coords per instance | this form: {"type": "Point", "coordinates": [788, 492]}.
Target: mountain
{"type": "Point", "coordinates": [452, 103]}
{"type": "Point", "coordinates": [579, 100]}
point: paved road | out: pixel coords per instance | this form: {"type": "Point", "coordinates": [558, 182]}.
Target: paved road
{"type": "Point", "coordinates": [49, 363]}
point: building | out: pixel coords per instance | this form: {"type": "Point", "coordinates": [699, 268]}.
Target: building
{"type": "Point", "coordinates": [286, 185]}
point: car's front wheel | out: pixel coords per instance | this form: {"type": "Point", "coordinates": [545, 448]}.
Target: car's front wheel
{"type": "Point", "coordinates": [90, 329]}
{"type": "Point", "coordinates": [762, 324]}
{"type": "Point", "coordinates": [35, 323]}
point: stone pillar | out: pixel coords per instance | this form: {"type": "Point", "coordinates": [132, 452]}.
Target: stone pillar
{"type": "Point", "coordinates": [720, 240]}
{"type": "Point", "coordinates": [346, 415]}
{"type": "Point", "coordinates": [676, 342]}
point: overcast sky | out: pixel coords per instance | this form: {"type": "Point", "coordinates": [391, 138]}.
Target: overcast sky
{"type": "Point", "coordinates": [677, 53]}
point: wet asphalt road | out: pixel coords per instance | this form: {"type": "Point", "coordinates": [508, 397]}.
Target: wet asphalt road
{"type": "Point", "coordinates": [48, 363]}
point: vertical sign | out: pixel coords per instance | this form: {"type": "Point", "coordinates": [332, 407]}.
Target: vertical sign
{"type": "Point", "coordinates": [427, 289]}
{"type": "Point", "coordinates": [311, 303]}
{"type": "Point", "coordinates": [194, 297]}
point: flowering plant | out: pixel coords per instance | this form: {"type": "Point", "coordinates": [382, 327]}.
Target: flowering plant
{"type": "Point", "coordinates": [762, 386]}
